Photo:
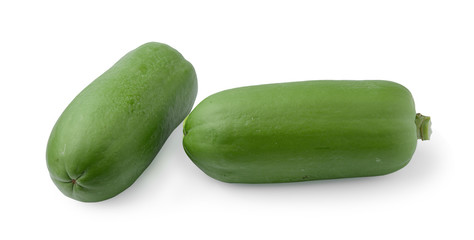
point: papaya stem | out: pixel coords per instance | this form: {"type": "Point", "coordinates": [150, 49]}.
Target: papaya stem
{"type": "Point", "coordinates": [423, 126]}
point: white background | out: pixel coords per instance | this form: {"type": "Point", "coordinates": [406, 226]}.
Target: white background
{"type": "Point", "coordinates": [51, 50]}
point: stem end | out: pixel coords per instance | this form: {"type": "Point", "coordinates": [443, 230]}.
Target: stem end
{"type": "Point", "coordinates": [423, 127]}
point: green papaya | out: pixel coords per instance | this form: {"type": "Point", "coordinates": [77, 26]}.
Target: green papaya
{"type": "Point", "coordinates": [112, 130]}
{"type": "Point", "coordinates": [300, 131]}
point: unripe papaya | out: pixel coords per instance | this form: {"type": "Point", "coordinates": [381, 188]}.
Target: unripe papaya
{"type": "Point", "coordinates": [301, 131]}
{"type": "Point", "coordinates": [112, 130]}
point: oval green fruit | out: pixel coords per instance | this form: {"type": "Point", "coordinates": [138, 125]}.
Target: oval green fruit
{"type": "Point", "coordinates": [302, 131]}
{"type": "Point", "coordinates": [114, 128]}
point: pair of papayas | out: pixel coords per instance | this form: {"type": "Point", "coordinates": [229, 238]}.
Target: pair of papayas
{"type": "Point", "coordinates": [285, 132]}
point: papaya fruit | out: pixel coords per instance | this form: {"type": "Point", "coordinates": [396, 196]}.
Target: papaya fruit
{"type": "Point", "coordinates": [301, 131]}
{"type": "Point", "coordinates": [114, 128]}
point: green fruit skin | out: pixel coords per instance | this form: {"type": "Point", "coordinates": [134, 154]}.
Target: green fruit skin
{"type": "Point", "coordinates": [114, 128]}
{"type": "Point", "coordinates": [299, 131]}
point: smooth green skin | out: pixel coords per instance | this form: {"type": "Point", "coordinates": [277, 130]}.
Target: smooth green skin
{"type": "Point", "coordinates": [302, 131]}
{"type": "Point", "coordinates": [114, 128]}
